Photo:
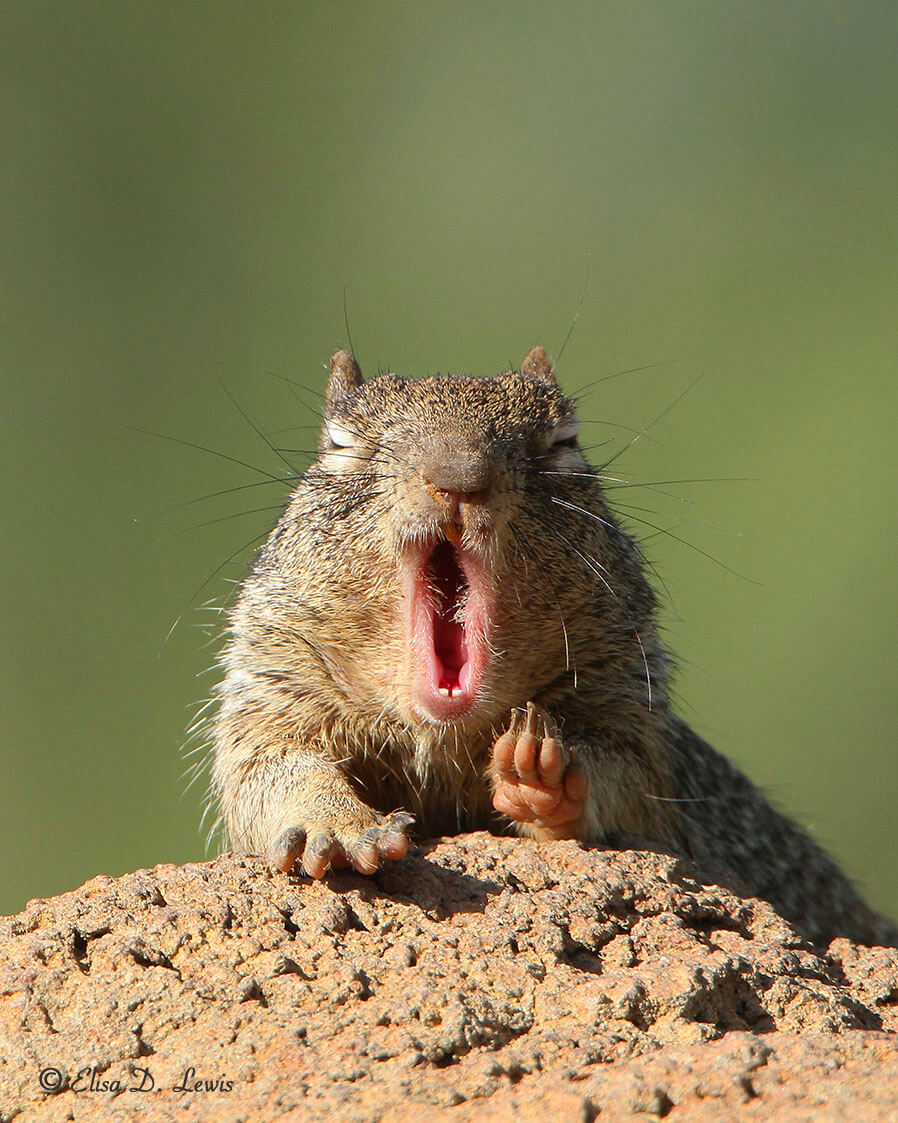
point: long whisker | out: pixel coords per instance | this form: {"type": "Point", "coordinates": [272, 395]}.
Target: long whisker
{"type": "Point", "coordinates": [346, 323]}
{"type": "Point", "coordinates": [227, 518]}
{"type": "Point", "coordinates": [680, 520]}
{"type": "Point", "coordinates": [591, 564]}
{"type": "Point", "coordinates": [567, 646]}
{"type": "Point", "coordinates": [623, 483]}
{"type": "Point", "coordinates": [619, 374]}
{"type": "Point", "coordinates": [698, 550]}
{"type": "Point", "coordinates": [256, 538]}
{"type": "Point", "coordinates": [698, 480]}
{"type": "Point", "coordinates": [230, 491]}
{"type": "Point", "coordinates": [256, 428]}
{"type": "Point", "coordinates": [652, 423]}
{"type": "Point", "coordinates": [210, 451]}
{"type": "Point", "coordinates": [582, 511]}
{"type": "Point", "coordinates": [580, 303]}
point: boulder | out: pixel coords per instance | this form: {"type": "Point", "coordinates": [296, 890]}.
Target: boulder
{"type": "Point", "coordinates": [482, 978]}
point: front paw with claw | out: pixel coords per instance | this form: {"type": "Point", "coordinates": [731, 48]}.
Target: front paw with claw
{"type": "Point", "coordinates": [319, 846]}
{"type": "Point", "coordinates": [535, 782]}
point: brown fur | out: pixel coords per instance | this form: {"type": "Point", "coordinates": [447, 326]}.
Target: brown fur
{"type": "Point", "coordinates": [318, 729]}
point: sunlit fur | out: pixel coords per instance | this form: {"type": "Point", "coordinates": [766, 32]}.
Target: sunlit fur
{"type": "Point", "coordinates": [317, 722]}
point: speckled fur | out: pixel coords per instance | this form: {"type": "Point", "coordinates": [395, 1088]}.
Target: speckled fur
{"type": "Point", "coordinates": [316, 722]}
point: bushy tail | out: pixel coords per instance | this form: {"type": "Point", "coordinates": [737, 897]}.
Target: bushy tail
{"type": "Point", "coordinates": [727, 822]}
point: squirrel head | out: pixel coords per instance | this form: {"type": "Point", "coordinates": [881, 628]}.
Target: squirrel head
{"type": "Point", "coordinates": [450, 534]}
{"type": "Point", "coordinates": [459, 435]}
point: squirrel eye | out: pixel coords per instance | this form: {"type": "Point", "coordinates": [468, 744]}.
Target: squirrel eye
{"type": "Point", "coordinates": [338, 436]}
{"type": "Point", "coordinates": [564, 435]}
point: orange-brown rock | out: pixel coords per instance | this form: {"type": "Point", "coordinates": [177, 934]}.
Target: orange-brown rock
{"type": "Point", "coordinates": [481, 979]}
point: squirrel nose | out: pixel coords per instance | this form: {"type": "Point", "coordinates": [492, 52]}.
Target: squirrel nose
{"type": "Point", "coordinates": [458, 470]}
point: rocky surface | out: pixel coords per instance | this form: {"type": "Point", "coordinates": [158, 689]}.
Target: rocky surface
{"type": "Point", "coordinates": [481, 979]}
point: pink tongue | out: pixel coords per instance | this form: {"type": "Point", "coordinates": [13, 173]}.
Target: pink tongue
{"type": "Point", "coordinates": [449, 645]}
{"type": "Point", "coordinates": [448, 634]}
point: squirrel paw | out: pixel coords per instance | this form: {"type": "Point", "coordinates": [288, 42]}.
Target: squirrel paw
{"type": "Point", "coordinates": [322, 847]}
{"type": "Point", "coordinates": [535, 782]}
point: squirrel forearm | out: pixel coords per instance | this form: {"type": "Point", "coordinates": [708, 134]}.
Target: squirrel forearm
{"type": "Point", "coordinates": [285, 785]}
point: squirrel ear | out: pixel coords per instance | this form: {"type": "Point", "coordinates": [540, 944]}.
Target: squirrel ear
{"type": "Point", "coordinates": [345, 376]}
{"type": "Point", "coordinates": [537, 365]}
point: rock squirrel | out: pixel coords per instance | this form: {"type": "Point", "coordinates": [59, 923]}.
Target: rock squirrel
{"type": "Point", "coordinates": [448, 627]}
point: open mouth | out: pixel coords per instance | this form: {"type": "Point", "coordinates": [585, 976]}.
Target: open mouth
{"type": "Point", "coordinates": [449, 616]}
{"type": "Point", "coordinates": [450, 588]}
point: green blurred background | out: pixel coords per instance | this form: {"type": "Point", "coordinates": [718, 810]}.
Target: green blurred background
{"type": "Point", "coordinates": [188, 190]}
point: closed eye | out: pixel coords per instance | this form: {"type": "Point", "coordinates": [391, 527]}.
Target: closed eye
{"type": "Point", "coordinates": [340, 437]}
{"type": "Point", "coordinates": [343, 450]}
{"type": "Point", "coordinates": [564, 435]}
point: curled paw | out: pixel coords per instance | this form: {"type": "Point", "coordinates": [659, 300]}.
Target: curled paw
{"type": "Point", "coordinates": [322, 846]}
{"type": "Point", "coordinates": [535, 782]}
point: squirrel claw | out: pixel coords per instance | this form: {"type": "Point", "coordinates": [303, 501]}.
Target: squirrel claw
{"type": "Point", "coordinates": [387, 840]}
{"type": "Point", "coordinates": [535, 781]}
{"type": "Point", "coordinates": [286, 848]}
{"type": "Point", "coordinates": [320, 849]}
